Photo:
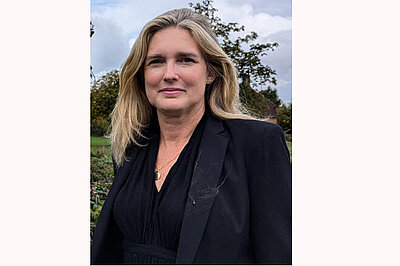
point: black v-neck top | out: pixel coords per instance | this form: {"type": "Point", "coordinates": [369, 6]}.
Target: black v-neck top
{"type": "Point", "coordinates": [151, 221]}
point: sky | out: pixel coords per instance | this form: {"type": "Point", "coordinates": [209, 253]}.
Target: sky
{"type": "Point", "coordinates": [117, 24]}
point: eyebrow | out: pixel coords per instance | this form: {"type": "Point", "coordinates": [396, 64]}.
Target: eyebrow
{"type": "Point", "coordinates": [180, 54]}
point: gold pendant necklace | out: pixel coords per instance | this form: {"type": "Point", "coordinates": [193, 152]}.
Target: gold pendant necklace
{"type": "Point", "coordinates": [157, 173]}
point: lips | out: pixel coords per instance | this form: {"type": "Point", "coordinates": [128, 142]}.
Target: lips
{"type": "Point", "coordinates": [171, 91]}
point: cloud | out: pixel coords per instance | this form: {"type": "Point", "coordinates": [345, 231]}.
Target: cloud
{"type": "Point", "coordinates": [262, 23]}
{"type": "Point", "coordinates": [272, 7]}
{"type": "Point", "coordinates": [281, 61]}
{"type": "Point", "coordinates": [109, 45]}
{"type": "Point", "coordinates": [265, 24]}
{"type": "Point", "coordinates": [131, 16]}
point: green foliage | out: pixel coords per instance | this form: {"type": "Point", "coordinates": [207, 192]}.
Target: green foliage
{"type": "Point", "coordinates": [289, 145]}
{"type": "Point", "coordinates": [100, 147]}
{"type": "Point", "coordinates": [99, 141]}
{"type": "Point", "coordinates": [101, 177]}
{"type": "Point", "coordinates": [103, 95]}
{"type": "Point", "coordinates": [285, 117]}
{"type": "Point", "coordinates": [100, 168]}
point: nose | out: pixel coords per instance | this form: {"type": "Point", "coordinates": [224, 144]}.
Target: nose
{"type": "Point", "coordinates": [170, 72]}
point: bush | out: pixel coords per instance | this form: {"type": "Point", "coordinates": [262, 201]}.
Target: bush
{"type": "Point", "coordinates": [99, 126]}
{"type": "Point", "coordinates": [101, 177]}
{"type": "Point", "coordinates": [101, 168]}
{"type": "Point", "coordinates": [288, 137]}
{"type": "Point", "coordinates": [103, 96]}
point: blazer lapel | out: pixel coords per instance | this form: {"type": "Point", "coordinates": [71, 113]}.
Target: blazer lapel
{"type": "Point", "coordinates": [203, 189]}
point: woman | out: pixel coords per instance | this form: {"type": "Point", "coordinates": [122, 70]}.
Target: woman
{"type": "Point", "coordinates": [196, 181]}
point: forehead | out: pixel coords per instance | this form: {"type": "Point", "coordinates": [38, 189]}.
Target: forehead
{"type": "Point", "coordinates": [172, 40]}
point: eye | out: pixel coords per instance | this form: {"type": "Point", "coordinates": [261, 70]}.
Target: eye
{"type": "Point", "coordinates": [154, 61]}
{"type": "Point", "coordinates": [187, 60]}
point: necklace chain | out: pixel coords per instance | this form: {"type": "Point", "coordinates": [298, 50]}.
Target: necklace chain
{"type": "Point", "coordinates": [157, 173]}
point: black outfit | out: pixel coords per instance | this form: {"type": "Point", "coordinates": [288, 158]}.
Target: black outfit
{"type": "Point", "coordinates": [237, 209]}
{"type": "Point", "coordinates": [151, 220]}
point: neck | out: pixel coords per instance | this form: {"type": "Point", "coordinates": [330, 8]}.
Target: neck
{"type": "Point", "coordinates": [177, 129]}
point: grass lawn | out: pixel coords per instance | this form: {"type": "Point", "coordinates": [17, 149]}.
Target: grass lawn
{"type": "Point", "coordinates": [100, 146]}
{"type": "Point", "coordinates": [99, 141]}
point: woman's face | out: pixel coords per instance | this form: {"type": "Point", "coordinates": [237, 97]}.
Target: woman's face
{"type": "Point", "coordinates": [175, 73]}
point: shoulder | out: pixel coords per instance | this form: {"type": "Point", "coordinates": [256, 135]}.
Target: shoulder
{"type": "Point", "coordinates": [259, 139]}
{"type": "Point", "coordinates": [252, 128]}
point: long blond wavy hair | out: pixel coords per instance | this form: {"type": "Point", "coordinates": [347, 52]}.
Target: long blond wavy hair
{"type": "Point", "coordinates": [132, 112]}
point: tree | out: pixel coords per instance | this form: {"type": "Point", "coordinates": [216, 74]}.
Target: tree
{"type": "Point", "coordinates": [91, 29]}
{"type": "Point", "coordinates": [285, 117]}
{"type": "Point", "coordinates": [91, 34]}
{"type": "Point", "coordinates": [103, 96]}
{"type": "Point", "coordinates": [251, 71]}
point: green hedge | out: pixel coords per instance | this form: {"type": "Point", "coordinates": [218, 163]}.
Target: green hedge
{"type": "Point", "coordinates": [101, 177]}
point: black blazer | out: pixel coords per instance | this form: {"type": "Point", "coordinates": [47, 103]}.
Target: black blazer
{"type": "Point", "coordinates": [239, 205]}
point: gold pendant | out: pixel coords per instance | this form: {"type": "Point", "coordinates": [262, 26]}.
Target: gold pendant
{"type": "Point", "coordinates": [157, 175]}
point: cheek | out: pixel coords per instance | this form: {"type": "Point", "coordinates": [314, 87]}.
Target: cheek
{"type": "Point", "coordinates": [150, 95]}
{"type": "Point", "coordinates": [151, 78]}
{"type": "Point", "coordinates": [149, 85]}
{"type": "Point", "coordinates": [196, 79]}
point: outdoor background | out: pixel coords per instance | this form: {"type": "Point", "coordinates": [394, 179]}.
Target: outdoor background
{"type": "Point", "coordinates": [256, 36]}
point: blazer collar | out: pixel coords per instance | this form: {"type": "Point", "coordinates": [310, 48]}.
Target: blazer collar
{"type": "Point", "coordinates": [203, 189]}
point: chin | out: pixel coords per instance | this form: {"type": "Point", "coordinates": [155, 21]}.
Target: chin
{"type": "Point", "coordinates": [177, 107]}
{"type": "Point", "coordinates": [170, 108]}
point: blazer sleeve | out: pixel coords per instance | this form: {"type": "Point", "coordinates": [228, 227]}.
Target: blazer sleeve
{"type": "Point", "coordinates": [269, 169]}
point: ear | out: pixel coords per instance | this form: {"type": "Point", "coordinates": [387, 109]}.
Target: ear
{"type": "Point", "coordinates": [210, 78]}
